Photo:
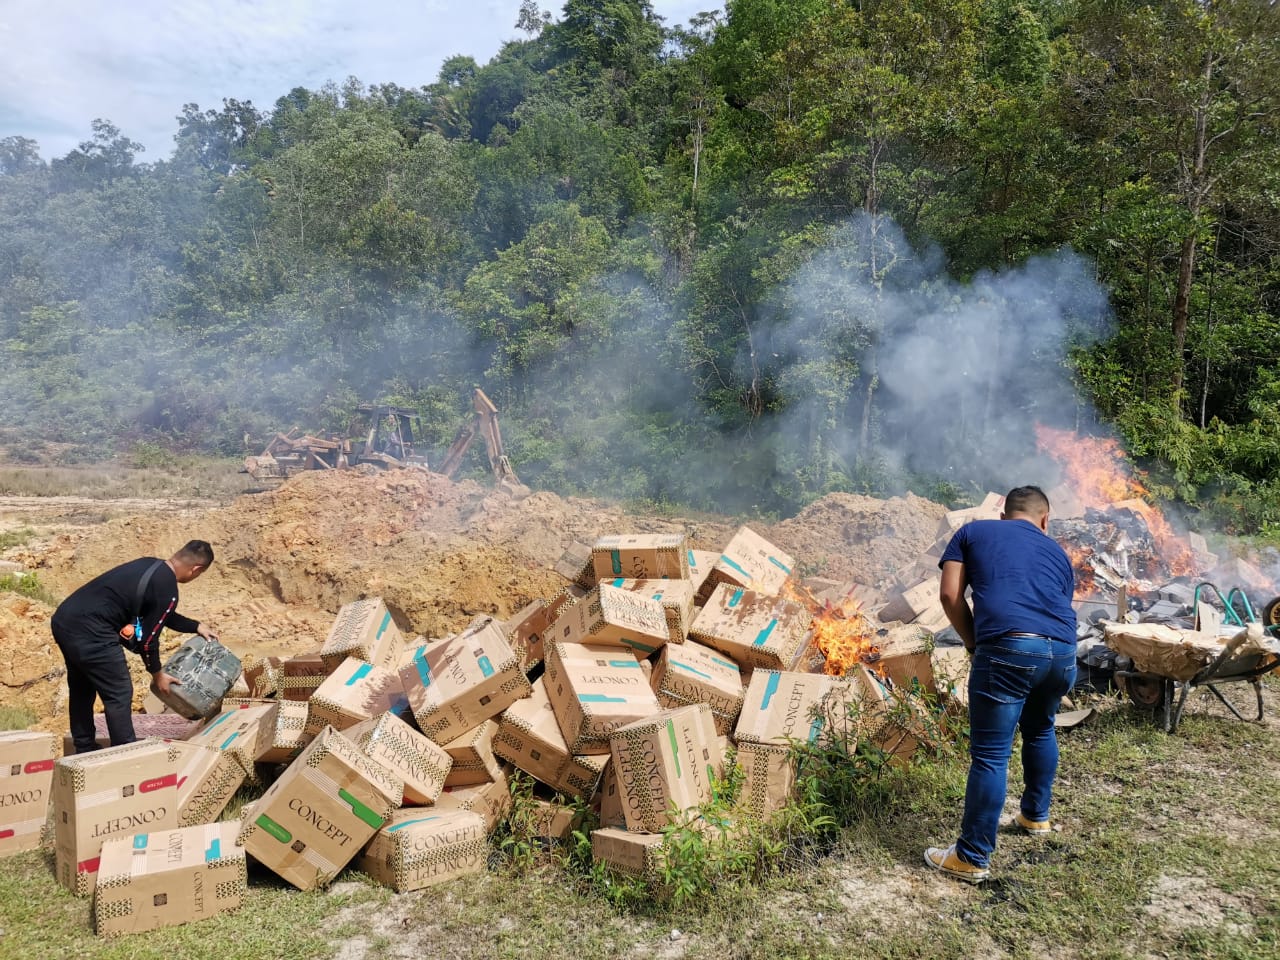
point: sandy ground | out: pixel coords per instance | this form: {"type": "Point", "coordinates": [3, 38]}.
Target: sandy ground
{"type": "Point", "coordinates": [436, 551]}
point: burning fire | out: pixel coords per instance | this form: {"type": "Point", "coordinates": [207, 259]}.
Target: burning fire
{"type": "Point", "coordinates": [840, 632]}
{"type": "Point", "coordinates": [1100, 476]}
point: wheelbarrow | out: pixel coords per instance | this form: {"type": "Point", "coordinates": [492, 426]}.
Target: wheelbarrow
{"type": "Point", "coordinates": [1250, 654]}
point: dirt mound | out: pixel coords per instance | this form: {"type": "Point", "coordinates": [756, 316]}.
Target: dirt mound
{"type": "Point", "coordinates": [436, 551]}
{"type": "Point", "coordinates": [844, 536]}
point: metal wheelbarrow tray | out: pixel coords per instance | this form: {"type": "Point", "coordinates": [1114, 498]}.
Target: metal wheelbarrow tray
{"type": "Point", "coordinates": [1168, 663]}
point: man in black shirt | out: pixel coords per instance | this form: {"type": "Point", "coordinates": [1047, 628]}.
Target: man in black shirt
{"type": "Point", "coordinates": [92, 624]}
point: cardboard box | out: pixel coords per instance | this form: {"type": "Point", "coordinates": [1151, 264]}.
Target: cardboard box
{"type": "Point", "coordinates": [611, 814]}
{"type": "Point", "coordinates": [700, 564]}
{"type": "Point", "coordinates": [491, 800]}
{"type": "Point", "coordinates": [529, 736]}
{"type": "Point", "coordinates": [905, 660]}
{"type": "Point", "coordinates": [633, 854]}
{"type": "Point", "coordinates": [525, 632]}
{"type": "Point", "coordinates": [170, 877]}
{"type": "Point", "coordinates": [26, 776]}
{"type": "Point", "coordinates": [300, 676]}
{"type": "Point", "coordinates": [262, 676]}
{"type": "Point", "coordinates": [165, 726]}
{"type": "Point", "coordinates": [783, 706]}
{"type": "Point", "coordinates": [675, 596]}
{"type": "Point", "coordinates": [289, 735]}
{"type": "Point", "coordinates": [473, 759]}
{"type": "Point", "coordinates": [454, 685]}
{"type": "Point", "coordinates": [552, 820]}
{"type": "Point", "coordinates": [242, 732]}
{"type": "Point", "coordinates": [692, 673]}
{"type": "Point", "coordinates": [906, 605]}
{"type": "Point", "coordinates": [326, 806]}
{"type": "Point", "coordinates": [751, 562]}
{"type": "Point", "coordinates": [893, 723]}
{"type": "Point", "coordinates": [418, 849]}
{"type": "Point", "coordinates": [768, 779]}
{"type": "Point", "coordinates": [356, 691]}
{"type": "Point", "coordinates": [754, 629]}
{"type": "Point", "coordinates": [951, 674]}
{"type": "Point", "coordinates": [364, 630]}
{"type": "Point", "coordinates": [613, 617]}
{"type": "Point", "coordinates": [594, 690]}
{"type": "Point", "coordinates": [422, 765]}
{"type": "Point", "coordinates": [647, 556]}
{"type": "Point", "coordinates": [133, 788]}
{"type": "Point", "coordinates": [665, 764]}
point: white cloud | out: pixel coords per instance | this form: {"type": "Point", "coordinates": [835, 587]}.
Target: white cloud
{"type": "Point", "coordinates": [136, 62]}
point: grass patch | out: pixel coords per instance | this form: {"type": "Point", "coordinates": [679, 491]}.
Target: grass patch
{"type": "Point", "coordinates": [15, 538]}
{"type": "Point", "coordinates": [15, 716]}
{"type": "Point", "coordinates": [28, 585]}
{"type": "Point", "coordinates": [147, 474]}
{"type": "Point", "coordinates": [1167, 848]}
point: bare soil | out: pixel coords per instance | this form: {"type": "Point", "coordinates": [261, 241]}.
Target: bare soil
{"type": "Point", "coordinates": [438, 552]}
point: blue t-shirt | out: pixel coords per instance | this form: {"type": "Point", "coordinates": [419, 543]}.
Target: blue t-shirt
{"type": "Point", "coordinates": [1022, 580]}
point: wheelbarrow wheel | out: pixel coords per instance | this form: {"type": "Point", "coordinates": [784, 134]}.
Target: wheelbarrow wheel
{"type": "Point", "coordinates": [1271, 613]}
{"type": "Point", "coordinates": [1148, 692]}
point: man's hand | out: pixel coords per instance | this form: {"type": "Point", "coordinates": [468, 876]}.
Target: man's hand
{"type": "Point", "coordinates": [161, 682]}
{"type": "Point", "coordinates": [206, 631]}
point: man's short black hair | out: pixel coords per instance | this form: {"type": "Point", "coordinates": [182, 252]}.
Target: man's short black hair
{"type": "Point", "coordinates": [1029, 500]}
{"type": "Point", "coordinates": [198, 553]}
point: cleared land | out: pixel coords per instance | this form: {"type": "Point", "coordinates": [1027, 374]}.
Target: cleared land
{"type": "Point", "coordinates": [1167, 845]}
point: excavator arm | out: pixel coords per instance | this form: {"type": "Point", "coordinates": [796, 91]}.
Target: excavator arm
{"type": "Point", "coordinates": [485, 423]}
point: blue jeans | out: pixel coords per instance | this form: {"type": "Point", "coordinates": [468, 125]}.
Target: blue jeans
{"type": "Point", "coordinates": [1013, 682]}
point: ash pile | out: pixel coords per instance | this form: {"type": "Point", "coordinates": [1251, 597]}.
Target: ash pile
{"type": "Point", "coordinates": [626, 698]}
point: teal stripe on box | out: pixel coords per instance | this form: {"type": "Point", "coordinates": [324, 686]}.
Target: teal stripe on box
{"type": "Point", "coordinates": [423, 668]}
{"type": "Point", "coordinates": [780, 565]}
{"type": "Point", "coordinates": [764, 634]}
{"type": "Point", "coordinates": [626, 664]}
{"type": "Point", "coordinates": [735, 599]}
{"type": "Point", "coordinates": [725, 560]}
{"type": "Point", "coordinates": [214, 851]}
{"type": "Point", "coordinates": [770, 688]}
{"type": "Point", "coordinates": [600, 698]}
{"type": "Point", "coordinates": [361, 672]}
{"type": "Point", "coordinates": [685, 666]}
{"type": "Point", "coordinates": [408, 823]}
{"type": "Point", "coordinates": [486, 668]}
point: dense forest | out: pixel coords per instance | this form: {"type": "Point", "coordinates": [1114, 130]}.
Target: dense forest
{"type": "Point", "coordinates": [794, 247]}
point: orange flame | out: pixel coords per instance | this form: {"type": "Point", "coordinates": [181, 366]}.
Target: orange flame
{"type": "Point", "coordinates": [1099, 474]}
{"type": "Point", "coordinates": [841, 632]}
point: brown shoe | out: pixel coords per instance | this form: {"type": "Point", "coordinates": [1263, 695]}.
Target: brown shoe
{"type": "Point", "coordinates": [1035, 828]}
{"type": "Point", "coordinates": [946, 860]}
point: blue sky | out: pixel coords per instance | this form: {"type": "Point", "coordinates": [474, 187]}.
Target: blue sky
{"type": "Point", "coordinates": [136, 62]}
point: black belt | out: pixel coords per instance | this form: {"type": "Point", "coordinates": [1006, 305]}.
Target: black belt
{"type": "Point", "coordinates": [1026, 636]}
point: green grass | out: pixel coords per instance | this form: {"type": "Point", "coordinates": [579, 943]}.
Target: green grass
{"type": "Point", "coordinates": [15, 717]}
{"type": "Point", "coordinates": [28, 585]}
{"type": "Point", "coordinates": [146, 474]}
{"type": "Point", "coordinates": [15, 538]}
{"type": "Point", "coordinates": [1167, 848]}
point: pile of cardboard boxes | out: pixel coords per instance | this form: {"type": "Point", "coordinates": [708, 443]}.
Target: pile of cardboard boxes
{"type": "Point", "coordinates": [625, 692]}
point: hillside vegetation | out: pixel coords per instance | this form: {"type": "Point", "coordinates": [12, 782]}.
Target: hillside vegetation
{"type": "Point", "coordinates": [800, 247]}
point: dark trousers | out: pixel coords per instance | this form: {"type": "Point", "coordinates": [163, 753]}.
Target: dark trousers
{"type": "Point", "coordinates": [98, 670]}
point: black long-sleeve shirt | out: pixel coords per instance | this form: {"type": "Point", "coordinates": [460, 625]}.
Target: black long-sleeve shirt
{"type": "Point", "coordinates": [94, 614]}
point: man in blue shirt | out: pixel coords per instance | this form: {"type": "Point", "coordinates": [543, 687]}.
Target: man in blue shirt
{"type": "Point", "coordinates": [1022, 635]}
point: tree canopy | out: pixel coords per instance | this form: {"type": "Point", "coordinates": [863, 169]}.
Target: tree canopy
{"type": "Point", "coordinates": [791, 248]}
